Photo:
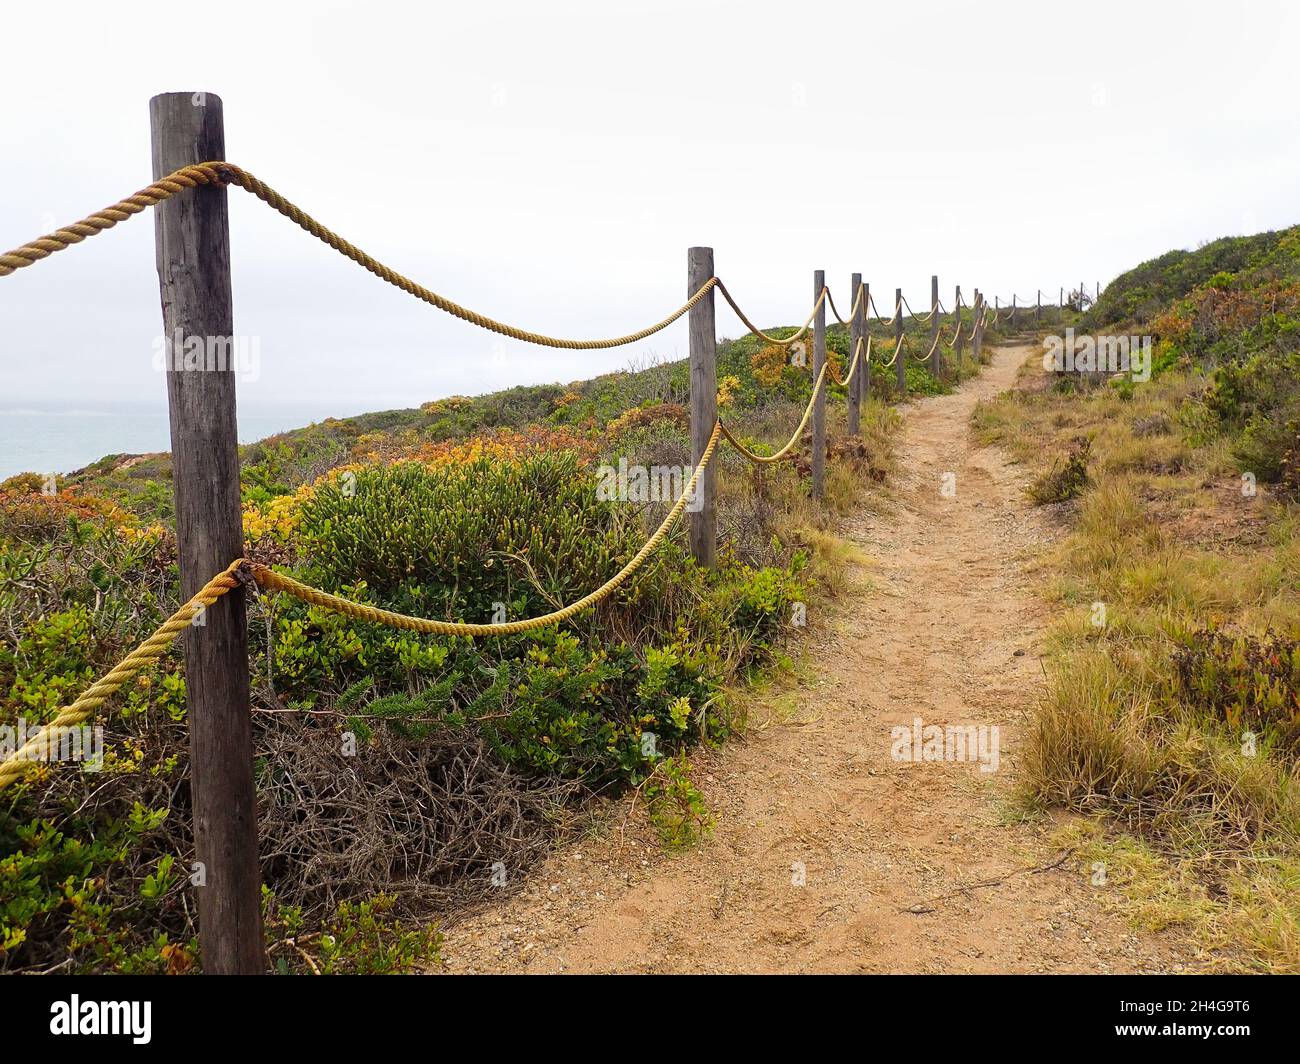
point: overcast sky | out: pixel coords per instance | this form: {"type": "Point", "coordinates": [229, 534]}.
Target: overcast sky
{"type": "Point", "coordinates": [549, 163]}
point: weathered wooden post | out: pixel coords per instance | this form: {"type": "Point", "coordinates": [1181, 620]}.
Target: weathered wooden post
{"type": "Point", "coordinates": [1060, 305]}
{"type": "Point", "coordinates": [936, 366]}
{"type": "Point", "coordinates": [193, 253]}
{"type": "Point", "coordinates": [977, 337]}
{"type": "Point", "coordinates": [864, 330]}
{"type": "Point", "coordinates": [1038, 309]}
{"type": "Point", "coordinates": [956, 319]}
{"type": "Point", "coordinates": [1013, 310]}
{"type": "Point", "coordinates": [900, 360]}
{"type": "Point", "coordinates": [704, 402]}
{"type": "Point", "coordinates": [855, 334]}
{"type": "Point", "coordinates": [819, 404]}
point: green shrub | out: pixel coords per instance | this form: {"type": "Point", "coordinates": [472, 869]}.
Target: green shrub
{"type": "Point", "coordinates": [51, 876]}
{"type": "Point", "coordinates": [764, 599]}
{"type": "Point", "coordinates": [50, 663]}
{"type": "Point", "coordinates": [1244, 682]}
{"type": "Point", "coordinates": [1258, 400]}
{"type": "Point", "coordinates": [361, 939]}
{"type": "Point", "coordinates": [454, 541]}
{"type": "Point", "coordinates": [582, 712]}
{"type": "Point", "coordinates": [677, 808]}
{"type": "Point", "coordinates": [1145, 291]}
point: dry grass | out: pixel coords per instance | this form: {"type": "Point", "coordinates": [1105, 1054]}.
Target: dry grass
{"type": "Point", "coordinates": [1203, 833]}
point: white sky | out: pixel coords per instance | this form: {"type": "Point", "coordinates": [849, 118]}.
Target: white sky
{"type": "Point", "coordinates": [549, 164]}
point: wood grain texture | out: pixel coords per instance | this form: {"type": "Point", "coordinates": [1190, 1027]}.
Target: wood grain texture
{"type": "Point", "coordinates": [193, 255]}
{"type": "Point", "coordinates": [900, 363]}
{"type": "Point", "coordinates": [819, 405]}
{"type": "Point", "coordinates": [702, 328]}
{"type": "Point", "coordinates": [866, 365]}
{"type": "Point", "coordinates": [936, 367]}
{"type": "Point", "coordinates": [956, 323]}
{"type": "Point", "coordinates": [855, 331]}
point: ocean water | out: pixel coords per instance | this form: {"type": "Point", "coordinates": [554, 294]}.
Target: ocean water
{"type": "Point", "coordinates": [60, 438]}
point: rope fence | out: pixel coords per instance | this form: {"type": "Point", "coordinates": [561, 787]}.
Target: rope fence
{"type": "Point", "coordinates": [195, 238]}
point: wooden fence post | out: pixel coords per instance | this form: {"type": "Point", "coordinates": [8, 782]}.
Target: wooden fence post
{"type": "Point", "coordinates": [864, 378]}
{"type": "Point", "coordinates": [193, 253]}
{"type": "Point", "coordinates": [977, 337]}
{"type": "Point", "coordinates": [956, 318]}
{"type": "Point", "coordinates": [1013, 310]}
{"type": "Point", "coordinates": [936, 367]}
{"type": "Point", "coordinates": [855, 333]}
{"type": "Point", "coordinates": [1038, 309]}
{"type": "Point", "coordinates": [900, 361]}
{"type": "Point", "coordinates": [704, 402]}
{"type": "Point", "coordinates": [1060, 305]}
{"type": "Point", "coordinates": [819, 404]}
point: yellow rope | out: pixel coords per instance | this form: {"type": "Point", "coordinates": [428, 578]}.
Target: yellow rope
{"type": "Point", "coordinates": [923, 318]}
{"type": "Point", "coordinates": [926, 357]}
{"type": "Point", "coordinates": [759, 332]}
{"type": "Point", "coordinates": [853, 366]}
{"type": "Point", "coordinates": [148, 652]}
{"type": "Point", "coordinates": [223, 173]}
{"type": "Point", "coordinates": [268, 578]}
{"type": "Point", "coordinates": [898, 309]}
{"type": "Point", "coordinates": [894, 357]}
{"type": "Point", "coordinates": [764, 459]}
{"type": "Point", "coordinates": [852, 310]}
{"type": "Point", "coordinates": [274, 581]}
{"type": "Point", "coordinates": [185, 178]}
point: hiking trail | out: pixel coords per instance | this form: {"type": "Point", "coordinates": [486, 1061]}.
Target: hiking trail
{"type": "Point", "coordinates": [908, 867]}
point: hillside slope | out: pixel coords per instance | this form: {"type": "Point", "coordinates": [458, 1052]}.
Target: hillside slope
{"type": "Point", "coordinates": [1141, 294]}
{"type": "Point", "coordinates": [1173, 711]}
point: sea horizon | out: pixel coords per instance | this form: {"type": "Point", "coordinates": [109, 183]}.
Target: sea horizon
{"type": "Point", "coordinates": [62, 436]}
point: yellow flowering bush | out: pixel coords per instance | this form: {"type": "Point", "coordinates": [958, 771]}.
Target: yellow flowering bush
{"type": "Point", "coordinates": [641, 416]}
{"type": "Point", "coordinates": [727, 389]}
{"type": "Point", "coordinates": [445, 406]}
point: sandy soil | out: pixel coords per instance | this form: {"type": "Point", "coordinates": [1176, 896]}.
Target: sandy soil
{"type": "Point", "coordinates": [906, 866]}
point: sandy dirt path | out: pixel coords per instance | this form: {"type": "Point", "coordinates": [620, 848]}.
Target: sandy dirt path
{"type": "Point", "coordinates": [906, 867]}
